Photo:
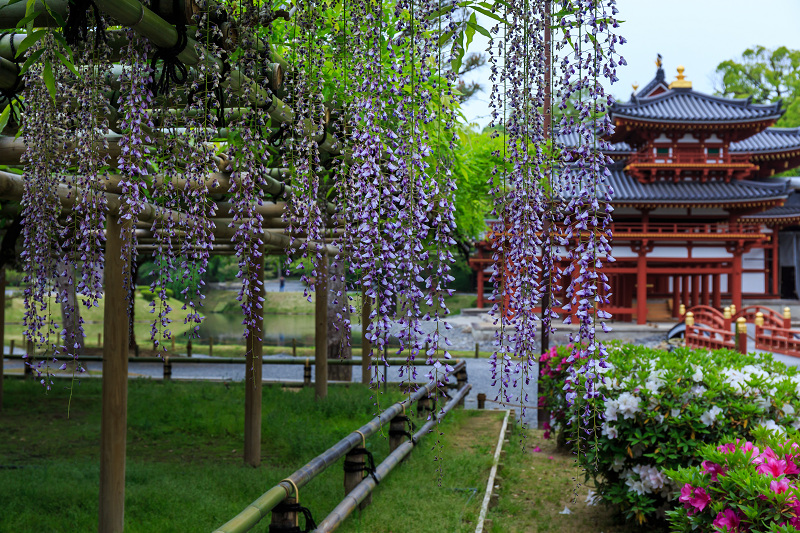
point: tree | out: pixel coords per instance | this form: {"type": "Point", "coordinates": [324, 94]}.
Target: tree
{"type": "Point", "coordinates": [766, 76]}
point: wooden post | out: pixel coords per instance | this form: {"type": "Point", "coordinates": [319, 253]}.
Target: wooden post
{"type": "Point", "coordinates": [284, 520]}
{"type": "Point", "coordinates": [717, 303]}
{"type": "Point", "coordinates": [726, 318]}
{"type": "Point", "coordinates": [736, 281]}
{"type": "Point", "coordinates": [354, 463]}
{"type": "Point", "coordinates": [167, 369]}
{"type": "Point", "coordinates": [99, 340]}
{"type": "Point", "coordinates": [11, 348]}
{"type": "Point", "coordinates": [481, 401]}
{"type": "Point", "coordinates": [2, 328]}
{"type": "Point", "coordinates": [307, 374]}
{"type": "Point", "coordinates": [676, 295]}
{"type": "Point", "coordinates": [173, 343]}
{"type": "Point", "coordinates": [189, 348]}
{"type": "Point", "coordinates": [705, 300]}
{"type": "Point", "coordinates": [253, 372]}
{"type": "Point", "coordinates": [30, 350]}
{"type": "Point", "coordinates": [787, 318]}
{"type": "Point", "coordinates": [397, 429]}
{"type": "Point", "coordinates": [424, 404]}
{"type": "Point", "coordinates": [210, 346]}
{"type": "Point", "coordinates": [321, 330]}
{"type": "Point", "coordinates": [294, 347]}
{"type": "Point", "coordinates": [741, 335]}
{"type": "Point", "coordinates": [366, 346]}
{"type": "Point", "coordinates": [477, 350]}
{"type": "Point", "coordinates": [481, 282]}
{"type": "Point", "coordinates": [114, 418]}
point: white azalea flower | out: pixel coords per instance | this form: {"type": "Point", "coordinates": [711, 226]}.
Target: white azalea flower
{"type": "Point", "coordinates": [710, 416]}
{"type": "Point", "coordinates": [698, 374]}
{"type": "Point", "coordinates": [628, 404]}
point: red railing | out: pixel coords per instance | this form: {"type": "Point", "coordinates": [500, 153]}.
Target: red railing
{"type": "Point", "coordinates": [684, 227]}
{"type": "Point", "coordinates": [778, 340]}
{"type": "Point", "coordinates": [687, 158]}
{"type": "Point", "coordinates": [711, 338]}
{"type": "Point", "coordinates": [705, 315]}
{"type": "Point", "coordinates": [771, 317]}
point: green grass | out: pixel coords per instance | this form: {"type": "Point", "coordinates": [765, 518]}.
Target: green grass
{"type": "Point", "coordinates": [417, 497]}
{"type": "Point", "coordinates": [184, 469]}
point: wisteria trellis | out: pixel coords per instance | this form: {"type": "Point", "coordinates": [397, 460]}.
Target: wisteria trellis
{"type": "Point", "coordinates": [373, 185]}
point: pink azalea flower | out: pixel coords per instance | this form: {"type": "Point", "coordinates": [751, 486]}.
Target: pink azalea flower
{"type": "Point", "coordinates": [772, 467]}
{"type": "Point", "coordinates": [694, 498]}
{"type": "Point", "coordinates": [765, 456]}
{"type": "Point", "coordinates": [791, 467]}
{"type": "Point", "coordinates": [779, 486]}
{"type": "Point", "coordinates": [727, 521]}
{"type": "Point", "coordinates": [714, 469]}
{"type": "Point", "coordinates": [727, 448]}
{"type": "Point", "coordinates": [752, 450]}
{"type": "Point", "coordinates": [536, 449]}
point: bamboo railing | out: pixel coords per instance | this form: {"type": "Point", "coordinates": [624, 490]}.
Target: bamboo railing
{"type": "Point", "coordinates": [262, 506]}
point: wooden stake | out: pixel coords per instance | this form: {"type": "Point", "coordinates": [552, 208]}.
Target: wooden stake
{"type": "Point", "coordinates": [115, 383]}
{"type": "Point", "coordinates": [11, 348]}
{"type": "Point", "coordinates": [99, 340]}
{"type": "Point", "coordinates": [481, 401]}
{"type": "Point", "coordinates": [307, 374]}
{"type": "Point", "coordinates": [477, 350]}
{"type": "Point", "coordinates": [366, 348]}
{"type": "Point", "coordinates": [189, 348]}
{"type": "Point", "coordinates": [354, 463]}
{"type": "Point", "coordinates": [294, 347]}
{"type": "Point", "coordinates": [210, 346]}
{"type": "Point", "coordinates": [253, 372]}
{"type": "Point", "coordinates": [321, 330]}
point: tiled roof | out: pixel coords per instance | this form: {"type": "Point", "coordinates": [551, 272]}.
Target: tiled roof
{"type": "Point", "coordinates": [769, 140]}
{"type": "Point", "coordinates": [628, 189]}
{"type": "Point", "coordinates": [789, 210]}
{"type": "Point", "coordinates": [655, 82]}
{"type": "Point", "coordinates": [571, 139]}
{"type": "Point", "coordinates": [685, 105]}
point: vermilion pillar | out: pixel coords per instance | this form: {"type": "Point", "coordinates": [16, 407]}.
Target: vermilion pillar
{"type": "Point", "coordinates": [736, 280]}
{"type": "Point", "coordinates": [695, 290]}
{"type": "Point", "coordinates": [717, 293]}
{"type": "Point", "coordinates": [480, 285]}
{"type": "Point", "coordinates": [641, 288]}
{"type": "Point", "coordinates": [704, 289]}
{"type": "Point", "coordinates": [685, 291]}
{"type": "Point", "coordinates": [676, 295]}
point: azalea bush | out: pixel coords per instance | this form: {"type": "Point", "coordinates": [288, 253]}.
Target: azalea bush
{"type": "Point", "coordinates": [741, 486]}
{"type": "Point", "coordinates": [656, 412]}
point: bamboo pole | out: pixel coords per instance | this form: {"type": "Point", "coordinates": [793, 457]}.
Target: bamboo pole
{"type": "Point", "coordinates": [11, 14]}
{"type": "Point", "coordinates": [115, 383]}
{"type": "Point", "coordinates": [360, 493]}
{"type": "Point", "coordinates": [262, 506]}
{"type": "Point", "coordinates": [321, 330]}
{"type": "Point", "coordinates": [366, 348]}
{"type": "Point", "coordinates": [253, 372]}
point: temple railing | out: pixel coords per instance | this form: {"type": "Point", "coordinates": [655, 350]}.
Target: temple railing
{"type": "Point", "coordinates": [684, 227]}
{"type": "Point", "coordinates": [682, 158]}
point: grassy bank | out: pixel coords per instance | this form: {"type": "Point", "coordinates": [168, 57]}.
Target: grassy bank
{"type": "Point", "coordinates": [184, 468]}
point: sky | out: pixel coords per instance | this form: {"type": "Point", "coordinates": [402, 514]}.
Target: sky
{"type": "Point", "coordinates": [698, 34]}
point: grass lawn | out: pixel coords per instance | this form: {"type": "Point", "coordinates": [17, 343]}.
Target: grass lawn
{"type": "Point", "coordinates": [184, 470]}
{"type": "Point", "coordinates": [537, 486]}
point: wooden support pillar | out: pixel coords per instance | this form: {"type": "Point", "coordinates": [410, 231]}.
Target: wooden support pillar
{"type": "Point", "coordinates": [641, 288]}
{"type": "Point", "coordinates": [685, 291]}
{"type": "Point", "coordinates": [397, 431]}
{"type": "Point", "coordinates": [321, 330]}
{"type": "Point", "coordinates": [775, 263]}
{"type": "Point", "coordinates": [253, 370]}
{"type": "Point", "coordinates": [717, 292]}
{"type": "Point", "coordinates": [704, 299]}
{"type": "Point", "coordinates": [2, 328]}
{"type": "Point", "coordinates": [114, 418]}
{"type": "Point", "coordinates": [354, 472]}
{"type": "Point", "coordinates": [736, 280]}
{"type": "Point", "coordinates": [695, 290]}
{"type": "Point", "coordinates": [676, 295]}
{"type": "Point", "coordinates": [480, 286]}
{"type": "Point", "coordinates": [366, 346]}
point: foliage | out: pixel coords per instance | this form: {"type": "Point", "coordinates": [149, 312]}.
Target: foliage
{"type": "Point", "coordinates": [767, 76]}
{"type": "Point", "coordinates": [741, 486]}
{"type": "Point", "coordinates": [657, 410]}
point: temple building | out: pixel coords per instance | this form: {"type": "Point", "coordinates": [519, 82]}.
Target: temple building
{"type": "Point", "coordinates": [698, 216]}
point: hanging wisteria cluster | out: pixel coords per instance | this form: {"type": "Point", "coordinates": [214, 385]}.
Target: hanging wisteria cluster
{"type": "Point", "coordinates": [356, 142]}
{"type": "Point", "coordinates": [553, 198]}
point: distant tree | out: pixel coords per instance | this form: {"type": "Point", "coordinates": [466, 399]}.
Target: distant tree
{"type": "Point", "coordinates": [766, 76]}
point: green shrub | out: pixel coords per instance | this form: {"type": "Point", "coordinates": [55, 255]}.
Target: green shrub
{"type": "Point", "coordinates": [741, 486]}
{"type": "Point", "coordinates": [657, 410]}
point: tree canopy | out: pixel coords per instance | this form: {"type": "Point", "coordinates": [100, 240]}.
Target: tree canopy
{"type": "Point", "coordinates": [766, 75]}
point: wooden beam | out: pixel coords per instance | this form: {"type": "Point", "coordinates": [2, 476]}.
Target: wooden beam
{"type": "Point", "coordinates": [253, 372]}
{"type": "Point", "coordinates": [321, 329]}
{"type": "Point", "coordinates": [115, 381]}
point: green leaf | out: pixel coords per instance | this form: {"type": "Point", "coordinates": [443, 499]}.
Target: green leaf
{"type": "Point", "coordinates": [49, 80]}
{"type": "Point", "coordinates": [26, 22]}
{"type": "Point", "coordinates": [4, 116]}
{"type": "Point", "coordinates": [31, 60]}
{"type": "Point", "coordinates": [30, 40]}
{"type": "Point", "coordinates": [470, 31]}
{"type": "Point", "coordinates": [30, 14]}
{"type": "Point", "coordinates": [67, 63]}
{"type": "Point", "coordinates": [489, 14]}
{"type": "Point", "coordinates": [456, 63]}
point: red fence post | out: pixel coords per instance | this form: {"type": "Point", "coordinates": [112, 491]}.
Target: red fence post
{"type": "Point", "coordinates": [741, 335]}
{"type": "Point", "coordinates": [726, 317]}
{"type": "Point", "coordinates": [787, 318]}
{"type": "Point", "coordinates": [689, 321]}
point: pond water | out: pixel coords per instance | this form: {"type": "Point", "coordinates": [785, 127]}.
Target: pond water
{"type": "Point", "coordinates": [279, 330]}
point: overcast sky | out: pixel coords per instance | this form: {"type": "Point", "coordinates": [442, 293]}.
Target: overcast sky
{"type": "Point", "coordinates": [698, 34]}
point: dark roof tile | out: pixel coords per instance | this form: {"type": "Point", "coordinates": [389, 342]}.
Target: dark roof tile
{"type": "Point", "coordinates": [769, 140]}
{"type": "Point", "coordinates": [682, 105]}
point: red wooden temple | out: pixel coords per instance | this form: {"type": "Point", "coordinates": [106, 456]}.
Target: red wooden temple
{"type": "Point", "coordinates": [697, 216]}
